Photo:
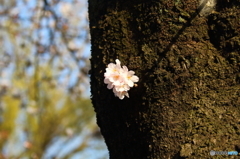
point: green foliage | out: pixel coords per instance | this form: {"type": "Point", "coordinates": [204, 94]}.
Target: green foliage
{"type": "Point", "coordinates": [10, 113]}
{"type": "Point", "coordinates": [38, 104]}
{"type": "Point", "coordinates": [49, 112]}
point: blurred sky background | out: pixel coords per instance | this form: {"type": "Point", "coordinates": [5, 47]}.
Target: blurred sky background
{"type": "Point", "coordinates": [45, 107]}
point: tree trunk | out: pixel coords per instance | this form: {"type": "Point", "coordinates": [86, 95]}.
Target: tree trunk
{"type": "Point", "coordinates": [187, 101]}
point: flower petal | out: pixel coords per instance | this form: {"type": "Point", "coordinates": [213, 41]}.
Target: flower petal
{"type": "Point", "coordinates": [111, 65]}
{"type": "Point", "coordinates": [130, 83]}
{"type": "Point", "coordinates": [134, 78]}
{"type": "Point", "coordinates": [126, 94]}
{"type": "Point", "coordinates": [125, 69]}
{"type": "Point", "coordinates": [106, 81]}
{"type": "Point", "coordinates": [131, 72]}
{"type": "Point", "coordinates": [119, 79]}
{"type": "Point", "coordinates": [110, 86]}
{"type": "Point", "coordinates": [118, 62]}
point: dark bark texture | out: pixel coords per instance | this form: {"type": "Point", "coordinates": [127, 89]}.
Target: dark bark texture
{"type": "Point", "coordinates": [187, 101]}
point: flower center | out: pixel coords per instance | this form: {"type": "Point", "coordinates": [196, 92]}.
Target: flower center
{"type": "Point", "coordinates": [116, 77]}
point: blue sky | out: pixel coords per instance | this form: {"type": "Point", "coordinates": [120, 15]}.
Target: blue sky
{"type": "Point", "coordinates": [96, 147]}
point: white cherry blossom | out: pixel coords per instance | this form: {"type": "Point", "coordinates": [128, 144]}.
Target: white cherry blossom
{"type": "Point", "coordinates": [119, 79]}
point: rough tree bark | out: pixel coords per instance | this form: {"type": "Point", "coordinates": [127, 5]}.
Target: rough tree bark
{"type": "Point", "coordinates": [187, 101]}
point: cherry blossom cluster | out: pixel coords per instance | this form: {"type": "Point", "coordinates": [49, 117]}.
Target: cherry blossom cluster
{"type": "Point", "coordinates": [119, 79]}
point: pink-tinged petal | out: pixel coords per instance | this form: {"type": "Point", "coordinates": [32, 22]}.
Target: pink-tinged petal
{"type": "Point", "coordinates": [115, 91]}
{"type": "Point", "coordinates": [116, 83]}
{"type": "Point", "coordinates": [126, 87]}
{"type": "Point", "coordinates": [134, 78]}
{"type": "Point", "coordinates": [130, 83]}
{"type": "Point", "coordinates": [108, 69]}
{"type": "Point", "coordinates": [121, 95]}
{"type": "Point", "coordinates": [111, 80]}
{"type": "Point", "coordinates": [116, 88]}
{"type": "Point", "coordinates": [106, 81]}
{"type": "Point", "coordinates": [120, 89]}
{"type": "Point", "coordinates": [107, 74]}
{"type": "Point", "coordinates": [111, 65]}
{"type": "Point", "coordinates": [125, 69]}
{"type": "Point", "coordinates": [110, 86]}
{"type": "Point", "coordinates": [131, 72]}
{"type": "Point", "coordinates": [126, 94]}
{"type": "Point", "coordinates": [118, 62]}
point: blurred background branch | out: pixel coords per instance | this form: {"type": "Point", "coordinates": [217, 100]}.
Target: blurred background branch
{"type": "Point", "coordinates": [45, 111]}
